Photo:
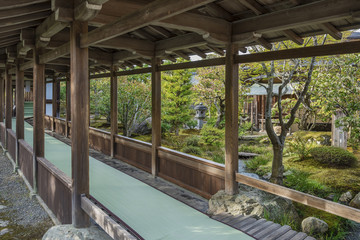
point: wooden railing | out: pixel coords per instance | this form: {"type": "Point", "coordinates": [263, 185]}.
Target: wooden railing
{"type": "Point", "coordinates": [300, 197]}
{"type": "Point", "coordinates": [202, 176]}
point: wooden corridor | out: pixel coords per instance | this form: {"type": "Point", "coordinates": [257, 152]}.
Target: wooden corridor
{"type": "Point", "coordinates": [78, 40]}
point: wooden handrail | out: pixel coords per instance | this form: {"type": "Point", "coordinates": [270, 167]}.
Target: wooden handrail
{"type": "Point", "coordinates": [300, 197]}
{"type": "Point", "coordinates": [104, 221]}
{"type": "Point", "coordinates": [56, 172]}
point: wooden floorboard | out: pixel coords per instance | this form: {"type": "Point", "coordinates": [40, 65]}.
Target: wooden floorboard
{"type": "Point", "coordinates": [267, 231]}
{"type": "Point", "coordinates": [299, 236]}
{"type": "Point", "coordinates": [276, 234]}
{"type": "Point", "coordinates": [261, 228]}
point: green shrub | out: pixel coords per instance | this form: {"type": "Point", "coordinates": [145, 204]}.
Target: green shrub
{"type": "Point", "coordinates": [333, 156]}
{"type": "Point", "coordinates": [219, 158]}
{"type": "Point", "coordinates": [300, 181]}
{"type": "Point", "coordinates": [213, 136]}
{"type": "Point", "coordinates": [301, 147]}
{"type": "Point", "coordinates": [191, 150]}
{"type": "Point", "coordinates": [193, 141]}
{"type": "Point", "coordinates": [253, 149]}
{"type": "Point", "coordinates": [256, 162]}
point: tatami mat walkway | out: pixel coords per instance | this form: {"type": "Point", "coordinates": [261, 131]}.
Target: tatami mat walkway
{"type": "Point", "coordinates": [151, 213]}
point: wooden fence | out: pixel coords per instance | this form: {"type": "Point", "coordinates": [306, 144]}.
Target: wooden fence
{"type": "Point", "coordinates": [54, 187]}
{"type": "Point", "coordinates": [195, 174]}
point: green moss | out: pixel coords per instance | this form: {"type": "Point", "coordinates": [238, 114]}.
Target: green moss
{"type": "Point", "coordinates": [333, 156]}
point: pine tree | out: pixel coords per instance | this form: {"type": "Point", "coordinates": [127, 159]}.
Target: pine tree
{"type": "Point", "coordinates": [177, 98]}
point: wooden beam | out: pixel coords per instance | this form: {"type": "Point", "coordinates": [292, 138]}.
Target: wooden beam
{"type": "Point", "coordinates": [217, 11]}
{"type": "Point", "coordinates": [231, 120]}
{"type": "Point", "coordinates": [139, 46]}
{"type": "Point", "coordinates": [20, 11]}
{"type": "Point", "coordinates": [53, 24]}
{"type": "Point", "coordinates": [56, 53]}
{"type": "Point", "coordinates": [189, 40]}
{"type": "Point", "coordinates": [198, 52]}
{"type": "Point", "coordinates": [293, 37]}
{"type": "Point", "coordinates": [19, 3]}
{"type": "Point", "coordinates": [331, 30]}
{"type": "Point", "coordinates": [19, 107]}
{"type": "Point", "coordinates": [254, 6]}
{"type": "Point", "coordinates": [14, 27]}
{"type": "Point", "coordinates": [80, 123]}
{"type": "Point", "coordinates": [154, 11]}
{"type": "Point", "coordinates": [86, 11]}
{"type": "Point", "coordinates": [112, 228]}
{"type": "Point", "coordinates": [68, 106]}
{"type": "Point", "coordinates": [156, 114]}
{"type": "Point", "coordinates": [325, 50]}
{"type": "Point", "coordinates": [113, 108]}
{"type": "Point", "coordinates": [8, 102]}
{"type": "Point", "coordinates": [213, 30]}
{"type": "Point", "coordinates": [39, 113]}
{"type": "Point", "coordinates": [2, 98]}
{"type": "Point", "coordinates": [303, 198]}
{"type": "Point", "coordinates": [302, 15]}
{"type": "Point", "coordinates": [263, 42]}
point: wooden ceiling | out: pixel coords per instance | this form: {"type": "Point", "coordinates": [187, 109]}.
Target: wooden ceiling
{"type": "Point", "coordinates": [129, 33]}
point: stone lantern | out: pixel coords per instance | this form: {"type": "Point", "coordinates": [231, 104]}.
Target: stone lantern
{"type": "Point", "coordinates": [200, 114]}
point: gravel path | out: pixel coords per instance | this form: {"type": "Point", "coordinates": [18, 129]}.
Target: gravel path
{"type": "Point", "coordinates": [20, 217]}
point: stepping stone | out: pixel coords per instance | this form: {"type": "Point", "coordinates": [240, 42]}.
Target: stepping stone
{"type": "Point", "coordinates": [4, 231]}
{"type": "Point", "coordinates": [3, 223]}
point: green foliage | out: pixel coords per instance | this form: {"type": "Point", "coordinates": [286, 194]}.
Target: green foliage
{"type": "Point", "coordinates": [284, 219]}
{"type": "Point", "coordinates": [256, 162]}
{"type": "Point", "coordinates": [301, 147]}
{"type": "Point", "coordinates": [259, 149]}
{"type": "Point", "coordinates": [193, 141]}
{"type": "Point", "coordinates": [213, 136]}
{"type": "Point", "coordinates": [100, 98]}
{"type": "Point", "coordinates": [300, 181]}
{"type": "Point", "coordinates": [333, 156]}
{"type": "Point", "coordinates": [177, 98]}
{"type": "Point", "coordinates": [134, 101]}
{"type": "Point", "coordinates": [191, 150]}
{"type": "Point", "coordinates": [218, 157]}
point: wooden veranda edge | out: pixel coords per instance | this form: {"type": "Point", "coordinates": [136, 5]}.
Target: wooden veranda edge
{"type": "Point", "coordinates": [300, 197]}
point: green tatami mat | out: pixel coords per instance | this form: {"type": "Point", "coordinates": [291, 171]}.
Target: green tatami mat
{"type": "Point", "coordinates": [151, 213]}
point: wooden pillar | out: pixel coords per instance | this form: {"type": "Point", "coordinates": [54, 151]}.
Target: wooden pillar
{"type": "Point", "coordinates": [39, 113]}
{"type": "Point", "coordinates": [156, 114]}
{"type": "Point", "coordinates": [231, 120]}
{"type": "Point", "coordinates": [2, 97]}
{"type": "Point", "coordinates": [113, 107]}
{"type": "Point", "coordinates": [263, 112]}
{"type": "Point", "coordinates": [68, 106]}
{"type": "Point", "coordinates": [19, 107]}
{"type": "Point", "coordinates": [54, 102]}
{"type": "Point", "coordinates": [8, 99]}
{"type": "Point", "coordinates": [80, 123]}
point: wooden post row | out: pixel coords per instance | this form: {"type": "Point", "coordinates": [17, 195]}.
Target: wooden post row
{"type": "Point", "coordinates": [231, 120]}
{"type": "Point", "coordinates": [113, 107]}
{"type": "Point", "coordinates": [39, 114]}
{"type": "Point", "coordinates": [19, 108]}
{"type": "Point", "coordinates": [80, 123]}
{"type": "Point", "coordinates": [156, 114]}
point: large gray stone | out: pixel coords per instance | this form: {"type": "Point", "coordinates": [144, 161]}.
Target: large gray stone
{"type": "Point", "coordinates": [68, 232]}
{"type": "Point", "coordinates": [346, 197]}
{"type": "Point", "coordinates": [355, 203]}
{"type": "Point", "coordinates": [251, 201]}
{"type": "Point", "coordinates": [313, 226]}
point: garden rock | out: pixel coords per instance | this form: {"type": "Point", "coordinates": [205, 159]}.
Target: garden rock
{"type": "Point", "coordinates": [251, 201]}
{"type": "Point", "coordinates": [68, 232]}
{"type": "Point", "coordinates": [355, 203]}
{"type": "Point", "coordinates": [3, 223]}
{"type": "Point", "coordinates": [287, 173]}
{"type": "Point", "coordinates": [277, 130]}
{"type": "Point", "coordinates": [267, 176]}
{"type": "Point", "coordinates": [143, 128]}
{"type": "Point", "coordinates": [4, 231]}
{"type": "Point", "coordinates": [346, 197]}
{"type": "Point", "coordinates": [2, 207]}
{"type": "Point", "coordinates": [312, 226]}
{"type": "Point", "coordinates": [331, 197]}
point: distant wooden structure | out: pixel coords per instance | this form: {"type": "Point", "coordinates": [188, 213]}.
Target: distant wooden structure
{"type": "Point", "coordinates": [78, 40]}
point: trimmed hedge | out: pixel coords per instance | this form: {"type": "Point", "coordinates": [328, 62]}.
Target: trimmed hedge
{"type": "Point", "coordinates": [333, 156]}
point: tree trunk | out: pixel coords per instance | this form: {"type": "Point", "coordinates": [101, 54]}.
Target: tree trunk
{"type": "Point", "coordinates": [277, 165]}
